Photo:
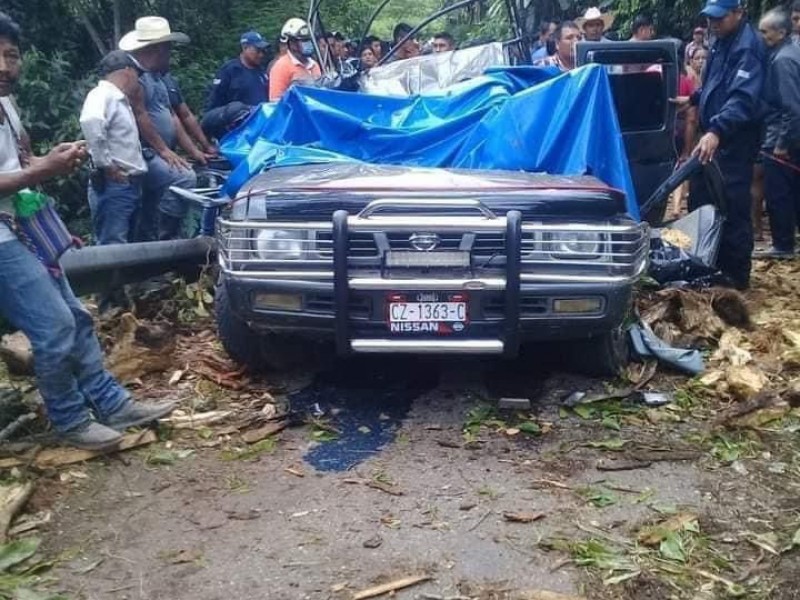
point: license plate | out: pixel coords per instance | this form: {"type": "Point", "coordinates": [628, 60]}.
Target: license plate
{"type": "Point", "coordinates": [427, 312]}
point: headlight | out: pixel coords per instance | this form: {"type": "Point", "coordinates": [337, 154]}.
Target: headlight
{"type": "Point", "coordinates": [280, 244]}
{"type": "Point", "coordinates": [576, 244]}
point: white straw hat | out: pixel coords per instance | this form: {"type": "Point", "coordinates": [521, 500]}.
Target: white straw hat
{"type": "Point", "coordinates": [148, 32]}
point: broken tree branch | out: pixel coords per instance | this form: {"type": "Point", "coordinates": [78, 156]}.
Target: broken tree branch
{"type": "Point", "coordinates": [12, 500]}
{"type": "Point", "coordinates": [16, 425]}
{"type": "Point", "coordinates": [392, 586]}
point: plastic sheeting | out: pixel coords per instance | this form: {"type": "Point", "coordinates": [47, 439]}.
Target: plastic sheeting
{"type": "Point", "coordinates": [432, 72]}
{"type": "Point", "coordinates": [694, 263]}
{"type": "Point", "coordinates": [513, 118]}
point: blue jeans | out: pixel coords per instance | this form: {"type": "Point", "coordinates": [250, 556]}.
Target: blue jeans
{"type": "Point", "coordinates": [67, 357]}
{"type": "Point", "coordinates": [114, 209]}
{"type": "Point", "coordinates": [162, 211]}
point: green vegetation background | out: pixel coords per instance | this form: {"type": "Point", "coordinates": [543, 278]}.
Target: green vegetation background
{"type": "Point", "coordinates": [62, 40]}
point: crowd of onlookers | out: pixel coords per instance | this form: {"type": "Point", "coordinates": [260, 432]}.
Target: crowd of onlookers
{"type": "Point", "coordinates": [739, 102]}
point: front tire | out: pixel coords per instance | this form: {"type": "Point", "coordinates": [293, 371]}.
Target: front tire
{"type": "Point", "coordinates": [604, 355]}
{"type": "Point", "coordinates": [241, 343]}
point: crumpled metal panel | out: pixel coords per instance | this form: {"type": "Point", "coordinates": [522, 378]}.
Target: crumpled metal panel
{"type": "Point", "coordinates": [432, 72]}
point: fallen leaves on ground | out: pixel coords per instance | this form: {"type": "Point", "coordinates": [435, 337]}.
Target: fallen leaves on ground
{"type": "Point", "coordinates": [140, 349]}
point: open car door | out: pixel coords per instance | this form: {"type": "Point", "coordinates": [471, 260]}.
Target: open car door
{"type": "Point", "coordinates": [644, 76]}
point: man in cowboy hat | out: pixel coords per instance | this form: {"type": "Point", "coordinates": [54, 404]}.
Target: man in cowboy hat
{"type": "Point", "coordinates": [594, 24]}
{"type": "Point", "coordinates": [150, 44]}
{"type": "Point", "coordinates": [730, 110]}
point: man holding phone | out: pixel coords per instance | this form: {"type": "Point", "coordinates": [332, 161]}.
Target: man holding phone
{"type": "Point", "coordinates": [86, 405]}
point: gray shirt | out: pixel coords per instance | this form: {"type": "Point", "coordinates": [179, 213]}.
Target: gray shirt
{"type": "Point", "coordinates": [110, 130]}
{"type": "Point", "coordinates": [157, 103]}
{"type": "Point", "coordinates": [782, 97]}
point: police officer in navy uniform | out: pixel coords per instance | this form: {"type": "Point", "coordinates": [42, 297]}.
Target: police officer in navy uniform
{"type": "Point", "coordinates": [242, 79]}
{"type": "Point", "coordinates": [730, 112]}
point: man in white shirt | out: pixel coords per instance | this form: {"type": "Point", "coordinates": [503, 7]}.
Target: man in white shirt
{"type": "Point", "coordinates": [109, 126]}
{"type": "Point", "coordinates": [87, 407]}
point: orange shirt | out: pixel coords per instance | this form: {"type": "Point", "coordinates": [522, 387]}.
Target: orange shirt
{"type": "Point", "coordinates": [288, 69]}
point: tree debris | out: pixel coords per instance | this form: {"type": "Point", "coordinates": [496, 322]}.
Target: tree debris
{"type": "Point", "coordinates": [140, 349]}
{"type": "Point", "coordinates": [15, 425]}
{"type": "Point", "coordinates": [12, 500]}
{"type": "Point", "coordinates": [384, 487]}
{"type": "Point", "coordinates": [59, 457]}
{"type": "Point", "coordinates": [392, 586]}
{"type": "Point", "coordinates": [522, 517]}
{"type": "Point", "coordinates": [256, 435]}
{"type": "Point", "coordinates": [196, 420]}
{"type": "Point", "coordinates": [622, 465]}
{"type": "Point", "coordinates": [295, 472]}
{"type": "Point", "coordinates": [15, 351]}
{"type": "Point", "coordinates": [654, 535]}
{"type": "Point", "coordinates": [374, 542]}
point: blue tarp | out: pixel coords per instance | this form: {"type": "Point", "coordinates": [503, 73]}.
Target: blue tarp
{"type": "Point", "coordinates": [514, 118]}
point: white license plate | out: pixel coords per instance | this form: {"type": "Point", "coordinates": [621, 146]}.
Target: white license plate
{"type": "Point", "coordinates": [427, 312]}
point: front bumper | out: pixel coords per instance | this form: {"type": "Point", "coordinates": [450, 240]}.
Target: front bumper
{"type": "Point", "coordinates": [368, 330]}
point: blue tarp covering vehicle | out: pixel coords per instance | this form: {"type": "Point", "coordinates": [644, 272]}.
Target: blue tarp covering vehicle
{"type": "Point", "coordinates": [511, 118]}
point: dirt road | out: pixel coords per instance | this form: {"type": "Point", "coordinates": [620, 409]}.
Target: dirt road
{"type": "Point", "coordinates": [407, 468]}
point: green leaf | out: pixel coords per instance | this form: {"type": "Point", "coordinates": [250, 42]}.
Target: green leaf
{"type": "Point", "coordinates": [671, 547]}
{"type": "Point", "coordinates": [530, 427]}
{"type": "Point", "coordinates": [611, 423]}
{"type": "Point", "coordinates": [16, 552]}
{"type": "Point", "coordinates": [603, 499]}
{"type": "Point", "coordinates": [613, 444]}
{"type": "Point", "coordinates": [584, 411]}
{"type": "Point", "coordinates": [796, 539]}
{"type": "Point", "coordinates": [162, 457]}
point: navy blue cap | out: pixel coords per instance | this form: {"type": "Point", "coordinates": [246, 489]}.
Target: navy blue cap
{"type": "Point", "coordinates": [716, 9]}
{"type": "Point", "coordinates": [253, 38]}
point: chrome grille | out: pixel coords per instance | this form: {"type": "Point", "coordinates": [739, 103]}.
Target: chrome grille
{"type": "Point", "coordinates": [549, 251]}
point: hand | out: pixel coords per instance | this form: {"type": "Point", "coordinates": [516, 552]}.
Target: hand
{"type": "Point", "coordinates": [173, 160]}
{"type": "Point", "coordinates": [211, 151]}
{"type": "Point", "coordinates": [114, 173]}
{"type": "Point", "coordinates": [782, 153]}
{"type": "Point", "coordinates": [198, 157]}
{"type": "Point", "coordinates": [77, 242]}
{"type": "Point", "coordinates": [62, 160]}
{"type": "Point", "coordinates": [707, 147]}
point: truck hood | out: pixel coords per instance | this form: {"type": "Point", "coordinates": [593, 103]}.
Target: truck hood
{"type": "Point", "coordinates": [316, 191]}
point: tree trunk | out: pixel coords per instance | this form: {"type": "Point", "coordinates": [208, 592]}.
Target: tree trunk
{"type": "Point", "coordinates": [90, 29]}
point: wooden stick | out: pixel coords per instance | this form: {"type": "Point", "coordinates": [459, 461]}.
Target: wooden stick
{"type": "Point", "coordinates": [15, 425]}
{"type": "Point", "coordinates": [392, 586]}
